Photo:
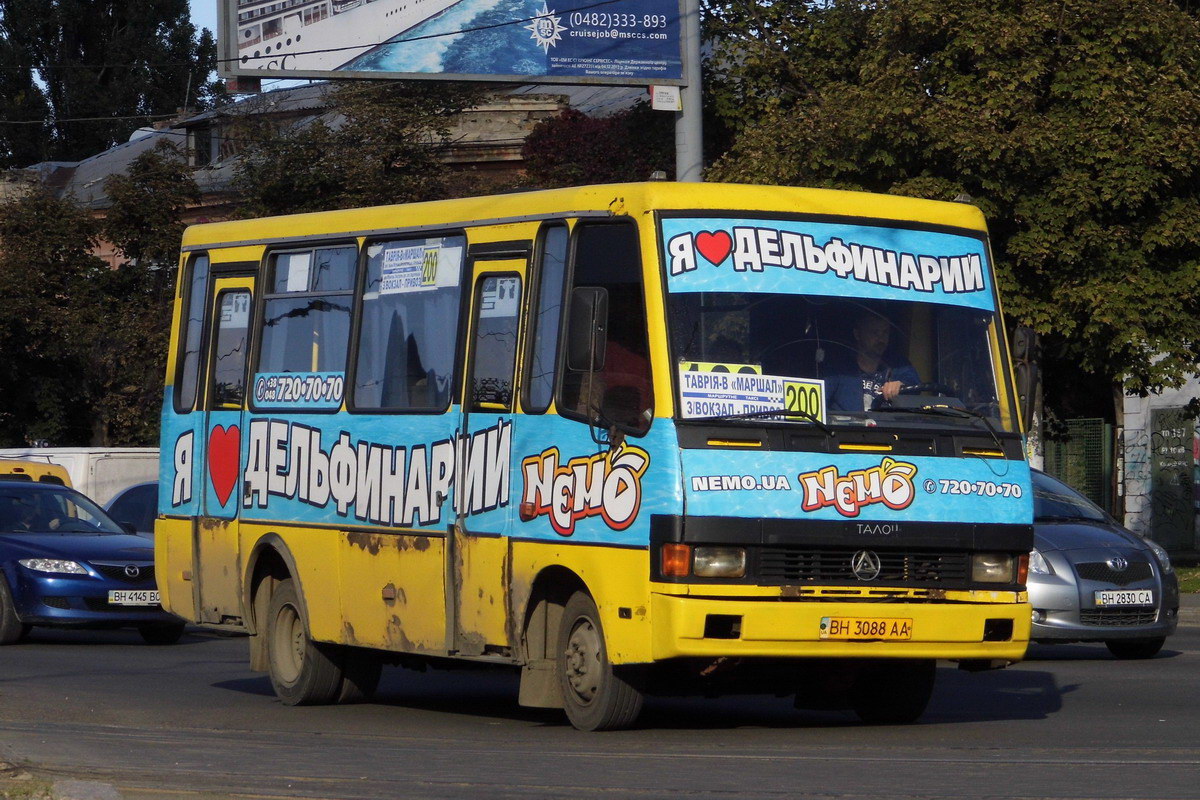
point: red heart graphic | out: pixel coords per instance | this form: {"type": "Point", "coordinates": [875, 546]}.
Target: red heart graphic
{"type": "Point", "coordinates": [714, 246]}
{"type": "Point", "coordinates": [224, 458]}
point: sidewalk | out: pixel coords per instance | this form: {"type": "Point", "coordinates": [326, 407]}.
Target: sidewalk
{"type": "Point", "coordinates": [1189, 610]}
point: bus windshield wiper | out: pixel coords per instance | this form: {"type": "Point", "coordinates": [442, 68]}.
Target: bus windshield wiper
{"type": "Point", "coordinates": [813, 418]}
{"type": "Point", "coordinates": [950, 411]}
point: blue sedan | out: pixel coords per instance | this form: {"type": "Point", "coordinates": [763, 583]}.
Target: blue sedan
{"type": "Point", "coordinates": [65, 563]}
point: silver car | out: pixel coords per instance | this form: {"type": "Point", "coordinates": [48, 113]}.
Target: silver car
{"type": "Point", "coordinates": [1091, 580]}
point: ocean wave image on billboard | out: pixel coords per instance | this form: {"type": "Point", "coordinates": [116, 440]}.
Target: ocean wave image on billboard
{"type": "Point", "coordinates": [611, 40]}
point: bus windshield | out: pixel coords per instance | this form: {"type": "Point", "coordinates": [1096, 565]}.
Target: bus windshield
{"type": "Point", "coordinates": [839, 322]}
{"type": "Point", "coordinates": [943, 355]}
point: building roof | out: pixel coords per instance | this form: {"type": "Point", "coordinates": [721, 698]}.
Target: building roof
{"type": "Point", "coordinates": [84, 180]}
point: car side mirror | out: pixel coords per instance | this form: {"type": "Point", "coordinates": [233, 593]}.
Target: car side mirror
{"type": "Point", "coordinates": [1025, 356]}
{"type": "Point", "coordinates": [587, 329]}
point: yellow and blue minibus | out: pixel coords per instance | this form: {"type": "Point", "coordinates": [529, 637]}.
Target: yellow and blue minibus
{"type": "Point", "coordinates": [628, 439]}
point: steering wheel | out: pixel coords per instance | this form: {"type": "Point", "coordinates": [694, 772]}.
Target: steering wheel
{"type": "Point", "coordinates": [940, 389]}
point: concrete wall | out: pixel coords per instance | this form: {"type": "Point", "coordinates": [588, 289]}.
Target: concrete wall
{"type": "Point", "coordinates": [1138, 450]}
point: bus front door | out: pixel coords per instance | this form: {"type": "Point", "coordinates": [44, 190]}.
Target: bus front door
{"type": "Point", "coordinates": [478, 551]}
{"type": "Point", "coordinates": [217, 584]}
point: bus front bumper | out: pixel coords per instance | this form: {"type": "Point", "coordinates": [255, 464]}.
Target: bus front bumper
{"type": "Point", "coordinates": [714, 627]}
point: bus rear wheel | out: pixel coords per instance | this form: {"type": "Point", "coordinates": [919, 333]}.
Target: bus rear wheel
{"type": "Point", "coordinates": [894, 692]}
{"type": "Point", "coordinates": [302, 671]}
{"type": "Point", "coordinates": [596, 696]}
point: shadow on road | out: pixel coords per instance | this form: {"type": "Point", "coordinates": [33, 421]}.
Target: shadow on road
{"type": "Point", "coordinates": [1085, 651]}
{"type": "Point", "coordinates": [1014, 694]}
{"type": "Point", "coordinates": [77, 637]}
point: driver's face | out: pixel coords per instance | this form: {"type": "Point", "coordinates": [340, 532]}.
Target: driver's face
{"type": "Point", "coordinates": [871, 335]}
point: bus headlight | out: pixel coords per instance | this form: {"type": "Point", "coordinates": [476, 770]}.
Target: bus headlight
{"type": "Point", "coordinates": [993, 568]}
{"type": "Point", "coordinates": [719, 562]}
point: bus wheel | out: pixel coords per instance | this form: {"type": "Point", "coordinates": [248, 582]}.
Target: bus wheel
{"type": "Point", "coordinates": [595, 696]}
{"type": "Point", "coordinates": [302, 671]}
{"type": "Point", "coordinates": [894, 692]}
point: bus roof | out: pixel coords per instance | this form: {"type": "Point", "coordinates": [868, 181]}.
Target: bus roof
{"type": "Point", "coordinates": [616, 199]}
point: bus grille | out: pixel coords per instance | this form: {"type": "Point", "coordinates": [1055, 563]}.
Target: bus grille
{"type": "Point", "coordinates": [778, 565]}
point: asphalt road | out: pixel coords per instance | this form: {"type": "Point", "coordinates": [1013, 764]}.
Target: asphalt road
{"type": "Point", "coordinates": [191, 720]}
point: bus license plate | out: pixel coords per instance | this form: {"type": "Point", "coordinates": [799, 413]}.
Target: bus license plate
{"type": "Point", "coordinates": [134, 597]}
{"type": "Point", "coordinates": [885, 628]}
{"type": "Point", "coordinates": [1128, 597]}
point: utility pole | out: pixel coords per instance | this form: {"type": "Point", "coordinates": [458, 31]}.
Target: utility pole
{"type": "Point", "coordinates": [689, 123]}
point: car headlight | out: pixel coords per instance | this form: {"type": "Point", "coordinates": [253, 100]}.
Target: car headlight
{"type": "Point", "coordinates": [1164, 560]}
{"type": "Point", "coordinates": [53, 565]}
{"type": "Point", "coordinates": [1038, 565]}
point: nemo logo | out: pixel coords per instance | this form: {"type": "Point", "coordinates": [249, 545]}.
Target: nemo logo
{"type": "Point", "coordinates": [607, 485]}
{"type": "Point", "coordinates": [891, 483]}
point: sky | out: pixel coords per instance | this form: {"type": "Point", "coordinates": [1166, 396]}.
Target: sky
{"type": "Point", "coordinates": [204, 14]}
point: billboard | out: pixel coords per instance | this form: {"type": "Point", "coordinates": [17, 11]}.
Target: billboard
{"type": "Point", "coordinates": [624, 42]}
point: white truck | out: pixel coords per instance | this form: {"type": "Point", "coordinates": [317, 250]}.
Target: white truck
{"type": "Point", "coordinates": [98, 472]}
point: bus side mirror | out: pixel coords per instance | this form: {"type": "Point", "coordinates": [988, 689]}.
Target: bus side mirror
{"type": "Point", "coordinates": [587, 329]}
{"type": "Point", "coordinates": [1025, 355]}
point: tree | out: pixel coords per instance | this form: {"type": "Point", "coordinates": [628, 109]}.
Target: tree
{"type": "Point", "coordinates": [48, 279]}
{"type": "Point", "coordinates": [573, 149]}
{"type": "Point", "coordinates": [127, 363]}
{"type": "Point", "coordinates": [83, 346]}
{"type": "Point", "coordinates": [104, 68]}
{"type": "Point", "coordinates": [1075, 126]}
{"type": "Point", "coordinates": [378, 143]}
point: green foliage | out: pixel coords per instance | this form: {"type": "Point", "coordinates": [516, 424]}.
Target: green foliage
{"type": "Point", "coordinates": [148, 204]}
{"type": "Point", "coordinates": [145, 222]}
{"type": "Point", "coordinates": [573, 149]}
{"type": "Point", "coordinates": [83, 346]}
{"type": "Point", "coordinates": [1075, 126]}
{"type": "Point", "coordinates": [48, 280]}
{"type": "Point", "coordinates": [105, 60]}
{"type": "Point", "coordinates": [379, 143]}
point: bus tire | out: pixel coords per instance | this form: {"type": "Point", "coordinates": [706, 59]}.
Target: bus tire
{"type": "Point", "coordinates": [596, 696]}
{"type": "Point", "coordinates": [303, 672]}
{"type": "Point", "coordinates": [894, 692]}
{"type": "Point", "coordinates": [360, 675]}
{"type": "Point", "coordinates": [11, 628]}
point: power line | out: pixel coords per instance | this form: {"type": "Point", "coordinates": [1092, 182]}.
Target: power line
{"type": "Point", "coordinates": [587, 7]}
{"type": "Point", "coordinates": [421, 38]}
{"type": "Point", "coordinates": [147, 117]}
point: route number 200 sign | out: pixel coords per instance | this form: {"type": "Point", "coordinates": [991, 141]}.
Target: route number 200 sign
{"type": "Point", "coordinates": [806, 397]}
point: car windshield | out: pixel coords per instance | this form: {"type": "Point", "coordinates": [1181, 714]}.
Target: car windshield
{"type": "Point", "coordinates": [846, 352]}
{"type": "Point", "coordinates": [1054, 500]}
{"type": "Point", "coordinates": [30, 509]}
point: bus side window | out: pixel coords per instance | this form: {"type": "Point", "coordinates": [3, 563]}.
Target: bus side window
{"type": "Point", "coordinates": [306, 312]}
{"type": "Point", "coordinates": [543, 343]}
{"type": "Point", "coordinates": [409, 318]}
{"type": "Point", "coordinates": [229, 350]}
{"type": "Point", "coordinates": [606, 255]}
{"type": "Point", "coordinates": [195, 297]}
